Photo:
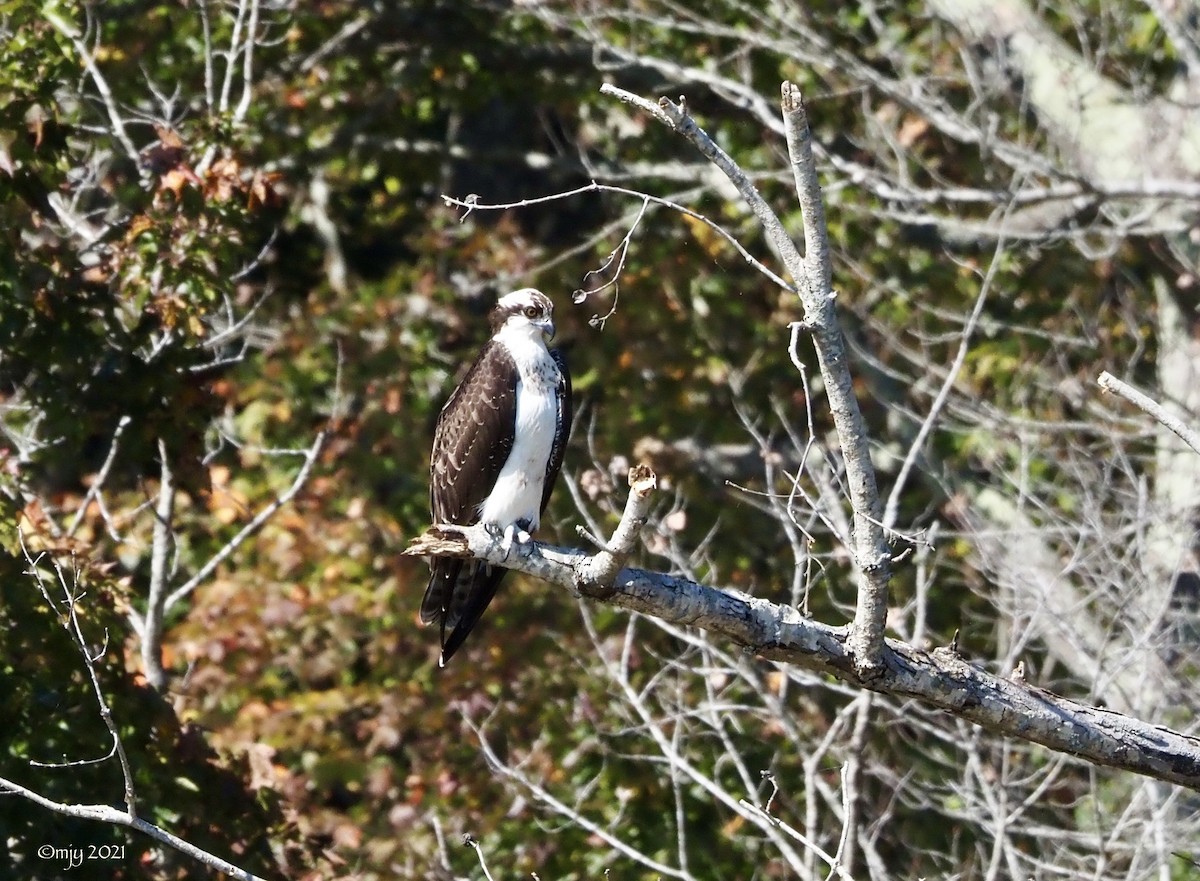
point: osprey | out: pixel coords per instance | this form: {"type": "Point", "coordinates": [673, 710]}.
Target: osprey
{"type": "Point", "coordinates": [497, 451]}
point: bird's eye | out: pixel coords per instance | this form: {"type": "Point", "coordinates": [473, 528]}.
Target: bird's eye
{"type": "Point", "coordinates": [531, 311]}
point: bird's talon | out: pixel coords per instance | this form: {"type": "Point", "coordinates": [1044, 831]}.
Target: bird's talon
{"type": "Point", "coordinates": [506, 539]}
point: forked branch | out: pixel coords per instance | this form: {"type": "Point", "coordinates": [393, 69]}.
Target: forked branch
{"type": "Point", "coordinates": [813, 274]}
{"type": "Point", "coordinates": [942, 678]}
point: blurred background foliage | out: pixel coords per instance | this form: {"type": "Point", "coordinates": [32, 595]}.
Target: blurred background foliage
{"type": "Point", "coordinates": [274, 257]}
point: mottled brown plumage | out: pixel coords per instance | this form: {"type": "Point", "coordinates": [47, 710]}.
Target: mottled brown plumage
{"type": "Point", "coordinates": [474, 439]}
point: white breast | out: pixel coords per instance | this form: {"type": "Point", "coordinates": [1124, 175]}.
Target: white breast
{"type": "Point", "coordinates": [517, 495]}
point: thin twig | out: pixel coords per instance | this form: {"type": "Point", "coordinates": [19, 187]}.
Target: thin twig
{"type": "Point", "coordinates": [94, 490]}
{"type": "Point", "coordinates": [800, 837]}
{"type": "Point", "coordinates": [68, 30]}
{"type": "Point", "coordinates": [71, 624]}
{"type": "Point", "coordinates": [469, 841]}
{"type": "Point", "coordinates": [473, 204]}
{"type": "Point", "coordinates": [543, 795]}
{"type": "Point", "coordinates": [619, 254]}
{"type": "Point", "coordinates": [260, 519]}
{"type": "Point", "coordinates": [851, 780]}
{"type": "Point", "coordinates": [1151, 407]}
{"type": "Point", "coordinates": [892, 508]}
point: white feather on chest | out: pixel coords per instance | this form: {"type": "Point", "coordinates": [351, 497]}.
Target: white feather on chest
{"type": "Point", "coordinates": [517, 495]}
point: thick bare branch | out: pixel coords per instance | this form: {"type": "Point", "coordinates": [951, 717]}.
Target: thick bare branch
{"type": "Point", "coordinates": [813, 274]}
{"type": "Point", "coordinates": [941, 677]}
{"type": "Point", "coordinates": [870, 548]}
{"type": "Point", "coordinates": [152, 625]}
{"type": "Point", "coordinates": [604, 566]}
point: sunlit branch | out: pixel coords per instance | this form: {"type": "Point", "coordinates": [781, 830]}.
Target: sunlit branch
{"type": "Point", "coordinates": [235, 40]}
{"type": "Point", "coordinates": [941, 678]}
{"type": "Point", "coordinates": [97, 487]}
{"type": "Point", "coordinates": [164, 536]}
{"type": "Point", "coordinates": [68, 30]}
{"type": "Point", "coordinates": [472, 203]}
{"type": "Point", "coordinates": [1151, 407]}
{"type": "Point", "coordinates": [248, 64]}
{"type": "Point", "coordinates": [260, 519]}
{"type": "Point", "coordinates": [106, 814]}
{"type": "Point", "coordinates": [206, 29]}
{"type": "Point", "coordinates": [870, 548]}
{"type": "Point", "coordinates": [71, 623]}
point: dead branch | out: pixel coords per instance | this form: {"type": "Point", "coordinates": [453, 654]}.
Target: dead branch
{"type": "Point", "coordinates": [106, 814]}
{"type": "Point", "coordinates": [812, 274]}
{"type": "Point", "coordinates": [1151, 407]}
{"type": "Point", "coordinates": [940, 678]}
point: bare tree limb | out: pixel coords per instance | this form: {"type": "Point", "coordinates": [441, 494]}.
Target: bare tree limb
{"type": "Point", "coordinates": [941, 677]}
{"type": "Point", "coordinates": [1151, 407]}
{"type": "Point", "coordinates": [260, 519]}
{"type": "Point", "coordinates": [813, 274]}
{"type": "Point", "coordinates": [870, 548]}
{"type": "Point", "coordinates": [106, 814]}
{"type": "Point", "coordinates": [604, 566]}
{"type": "Point", "coordinates": [152, 625]}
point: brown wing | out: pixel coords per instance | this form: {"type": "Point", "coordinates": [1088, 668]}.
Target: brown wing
{"type": "Point", "coordinates": [473, 438]}
{"type": "Point", "coordinates": [471, 443]}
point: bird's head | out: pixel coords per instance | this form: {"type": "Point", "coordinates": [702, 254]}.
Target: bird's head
{"type": "Point", "coordinates": [526, 310]}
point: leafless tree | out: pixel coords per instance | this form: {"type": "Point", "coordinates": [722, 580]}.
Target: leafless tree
{"type": "Point", "coordinates": [1090, 596]}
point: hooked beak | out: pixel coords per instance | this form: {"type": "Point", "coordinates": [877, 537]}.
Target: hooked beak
{"type": "Point", "coordinates": [547, 327]}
